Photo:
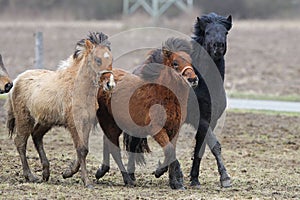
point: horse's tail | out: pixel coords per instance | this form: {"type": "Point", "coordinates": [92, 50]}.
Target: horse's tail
{"type": "Point", "coordinates": [136, 145]}
{"type": "Point", "coordinates": [10, 123]}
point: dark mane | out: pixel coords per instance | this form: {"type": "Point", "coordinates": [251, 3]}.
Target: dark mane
{"type": "Point", "coordinates": [149, 69]}
{"type": "Point", "coordinates": [95, 38]}
{"type": "Point", "coordinates": [178, 44]}
{"type": "Point", "coordinates": [208, 19]}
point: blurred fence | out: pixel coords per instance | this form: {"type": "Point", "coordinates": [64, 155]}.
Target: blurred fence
{"type": "Point", "coordinates": [112, 9]}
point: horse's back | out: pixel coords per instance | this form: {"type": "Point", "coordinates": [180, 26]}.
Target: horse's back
{"type": "Point", "coordinates": [39, 93]}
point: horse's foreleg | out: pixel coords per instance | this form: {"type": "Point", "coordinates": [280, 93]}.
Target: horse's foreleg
{"type": "Point", "coordinates": [37, 136]}
{"type": "Point", "coordinates": [80, 139]}
{"type": "Point", "coordinates": [215, 148]}
{"type": "Point", "coordinates": [198, 152]}
{"type": "Point", "coordinates": [106, 161]}
{"type": "Point", "coordinates": [21, 143]}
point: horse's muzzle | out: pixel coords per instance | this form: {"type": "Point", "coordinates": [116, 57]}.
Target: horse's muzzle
{"type": "Point", "coordinates": [111, 84]}
{"type": "Point", "coordinates": [7, 87]}
{"type": "Point", "coordinates": [193, 82]}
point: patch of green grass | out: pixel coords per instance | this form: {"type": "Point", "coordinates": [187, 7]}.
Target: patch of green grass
{"type": "Point", "coordinates": [265, 112]}
{"type": "Point", "coordinates": [243, 95]}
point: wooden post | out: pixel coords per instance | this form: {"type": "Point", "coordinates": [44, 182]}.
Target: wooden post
{"type": "Point", "coordinates": [38, 63]}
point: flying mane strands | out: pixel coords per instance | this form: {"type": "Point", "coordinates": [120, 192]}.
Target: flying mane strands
{"type": "Point", "coordinates": [95, 38]}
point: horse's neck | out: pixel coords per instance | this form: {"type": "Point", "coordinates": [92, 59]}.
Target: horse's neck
{"type": "Point", "coordinates": [220, 63]}
{"type": "Point", "coordinates": [174, 82]}
{"type": "Point", "coordinates": [85, 78]}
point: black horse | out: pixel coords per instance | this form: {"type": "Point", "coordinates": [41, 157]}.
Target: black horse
{"type": "Point", "coordinates": [210, 31]}
{"type": "Point", "coordinates": [209, 48]}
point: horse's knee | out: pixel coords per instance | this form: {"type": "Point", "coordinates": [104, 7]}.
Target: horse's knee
{"type": "Point", "coordinates": [82, 151]}
{"type": "Point", "coordinates": [20, 141]}
{"type": "Point", "coordinates": [216, 150]}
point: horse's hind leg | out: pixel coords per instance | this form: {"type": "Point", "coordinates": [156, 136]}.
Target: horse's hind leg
{"type": "Point", "coordinates": [175, 176]}
{"type": "Point", "coordinates": [37, 136]}
{"type": "Point", "coordinates": [106, 161]}
{"type": "Point", "coordinates": [164, 141]}
{"type": "Point", "coordinates": [23, 132]}
{"type": "Point", "coordinates": [215, 148]}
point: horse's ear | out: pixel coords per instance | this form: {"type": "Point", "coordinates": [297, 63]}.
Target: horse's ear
{"type": "Point", "coordinates": [166, 52]}
{"type": "Point", "coordinates": [229, 20]}
{"type": "Point", "coordinates": [88, 45]}
{"type": "Point", "coordinates": [1, 62]}
{"type": "Point", "coordinates": [201, 24]}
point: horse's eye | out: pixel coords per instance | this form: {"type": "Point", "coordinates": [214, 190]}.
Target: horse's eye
{"type": "Point", "coordinates": [175, 64]}
{"type": "Point", "coordinates": [98, 61]}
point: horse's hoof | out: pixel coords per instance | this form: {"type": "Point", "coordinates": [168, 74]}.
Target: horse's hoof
{"type": "Point", "coordinates": [130, 185]}
{"type": "Point", "coordinates": [177, 186]}
{"type": "Point", "coordinates": [89, 186]}
{"type": "Point", "coordinates": [46, 176]}
{"type": "Point", "coordinates": [67, 174]}
{"type": "Point", "coordinates": [132, 176]}
{"type": "Point", "coordinates": [160, 171]}
{"type": "Point", "coordinates": [195, 184]}
{"type": "Point", "coordinates": [31, 178]}
{"type": "Point", "coordinates": [102, 171]}
{"type": "Point", "coordinates": [127, 180]}
{"type": "Point", "coordinates": [226, 183]}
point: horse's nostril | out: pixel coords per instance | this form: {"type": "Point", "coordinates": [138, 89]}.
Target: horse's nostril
{"type": "Point", "coordinates": [194, 81]}
{"type": "Point", "coordinates": [8, 86]}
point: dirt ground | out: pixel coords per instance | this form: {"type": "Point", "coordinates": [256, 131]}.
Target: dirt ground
{"type": "Point", "coordinates": [261, 153]}
{"type": "Point", "coordinates": [262, 56]}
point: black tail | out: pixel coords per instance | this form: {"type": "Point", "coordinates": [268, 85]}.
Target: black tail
{"type": "Point", "coordinates": [136, 145]}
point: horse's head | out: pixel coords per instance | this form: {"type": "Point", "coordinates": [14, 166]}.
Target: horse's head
{"type": "Point", "coordinates": [211, 32]}
{"type": "Point", "coordinates": [182, 63]}
{"type": "Point", "coordinates": [97, 49]}
{"type": "Point", "coordinates": [5, 82]}
{"type": "Point", "coordinates": [101, 60]}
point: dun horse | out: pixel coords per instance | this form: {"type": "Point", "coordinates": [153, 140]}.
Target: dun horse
{"type": "Point", "coordinates": [5, 82]}
{"type": "Point", "coordinates": [162, 81]}
{"type": "Point", "coordinates": [42, 99]}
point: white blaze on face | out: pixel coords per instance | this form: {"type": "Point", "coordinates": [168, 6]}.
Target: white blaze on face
{"type": "Point", "coordinates": [106, 55]}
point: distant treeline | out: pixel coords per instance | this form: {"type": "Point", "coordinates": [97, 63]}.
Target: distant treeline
{"type": "Point", "coordinates": [106, 9]}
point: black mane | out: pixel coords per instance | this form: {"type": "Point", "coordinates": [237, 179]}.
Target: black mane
{"type": "Point", "coordinates": [208, 19]}
{"type": "Point", "coordinates": [96, 38]}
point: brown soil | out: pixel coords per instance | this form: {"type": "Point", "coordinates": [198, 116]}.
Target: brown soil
{"type": "Point", "coordinates": [261, 153]}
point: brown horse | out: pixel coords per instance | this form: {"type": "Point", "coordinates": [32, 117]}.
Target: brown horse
{"type": "Point", "coordinates": [5, 82]}
{"type": "Point", "coordinates": [42, 99]}
{"type": "Point", "coordinates": [162, 82]}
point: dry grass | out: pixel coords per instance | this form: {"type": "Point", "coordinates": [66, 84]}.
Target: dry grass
{"type": "Point", "coordinates": [260, 153]}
